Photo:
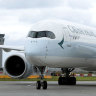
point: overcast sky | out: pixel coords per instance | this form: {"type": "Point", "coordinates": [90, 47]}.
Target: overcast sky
{"type": "Point", "coordinates": [17, 16]}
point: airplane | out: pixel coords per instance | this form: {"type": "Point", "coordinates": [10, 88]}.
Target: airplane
{"type": "Point", "coordinates": [56, 44]}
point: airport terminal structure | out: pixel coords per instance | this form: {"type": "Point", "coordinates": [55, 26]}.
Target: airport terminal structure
{"type": "Point", "coordinates": [1, 43]}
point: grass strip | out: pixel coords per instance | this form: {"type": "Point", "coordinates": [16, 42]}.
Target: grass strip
{"type": "Point", "coordinates": [54, 78]}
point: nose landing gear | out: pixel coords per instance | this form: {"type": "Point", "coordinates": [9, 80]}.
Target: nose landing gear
{"type": "Point", "coordinates": [67, 80]}
{"type": "Point", "coordinates": [41, 83]}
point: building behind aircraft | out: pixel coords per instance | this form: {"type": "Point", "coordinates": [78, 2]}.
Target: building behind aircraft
{"type": "Point", "coordinates": [1, 43]}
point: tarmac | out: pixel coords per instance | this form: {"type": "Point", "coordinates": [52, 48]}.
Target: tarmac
{"type": "Point", "coordinates": [28, 88]}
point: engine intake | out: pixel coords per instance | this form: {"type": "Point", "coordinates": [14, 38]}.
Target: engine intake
{"type": "Point", "coordinates": [17, 67]}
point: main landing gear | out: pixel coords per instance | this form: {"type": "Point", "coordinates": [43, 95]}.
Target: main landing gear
{"type": "Point", "coordinates": [41, 83]}
{"type": "Point", "coordinates": [67, 80]}
{"type": "Point", "coordinates": [63, 80]}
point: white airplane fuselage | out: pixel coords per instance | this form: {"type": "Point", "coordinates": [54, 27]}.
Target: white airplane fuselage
{"type": "Point", "coordinates": [74, 46]}
{"type": "Point", "coordinates": [57, 44]}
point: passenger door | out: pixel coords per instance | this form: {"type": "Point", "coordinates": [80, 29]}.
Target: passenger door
{"type": "Point", "coordinates": [67, 36]}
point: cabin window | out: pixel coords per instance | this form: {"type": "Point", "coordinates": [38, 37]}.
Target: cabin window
{"type": "Point", "coordinates": [40, 34]}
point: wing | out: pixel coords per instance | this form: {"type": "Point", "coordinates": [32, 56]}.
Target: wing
{"type": "Point", "coordinates": [10, 48]}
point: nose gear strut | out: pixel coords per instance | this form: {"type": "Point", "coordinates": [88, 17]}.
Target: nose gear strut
{"type": "Point", "coordinates": [41, 83]}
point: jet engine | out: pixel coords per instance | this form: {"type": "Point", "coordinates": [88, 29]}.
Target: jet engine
{"type": "Point", "coordinates": [16, 66]}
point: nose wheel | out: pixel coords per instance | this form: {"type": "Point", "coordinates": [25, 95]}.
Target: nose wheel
{"type": "Point", "coordinates": [41, 83]}
{"type": "Point", "coordinates": [38, 85]}
{"type": "Point", "coordinates": [44, 85]}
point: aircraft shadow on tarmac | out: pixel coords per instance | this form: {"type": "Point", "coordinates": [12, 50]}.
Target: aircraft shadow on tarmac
{"type": "Point", "coordinates": [54, 85]}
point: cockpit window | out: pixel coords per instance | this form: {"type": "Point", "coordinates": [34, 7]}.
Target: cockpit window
{"type": "Point", "coordinates": [40, 34]}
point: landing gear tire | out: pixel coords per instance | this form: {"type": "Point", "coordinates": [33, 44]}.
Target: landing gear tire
{"type": "Point", "coordinates": [60, 81]}
{"type": "Point", "coordinates": [44, 85]}
{"type": "Point", "coordinates": [72, 81]}
{"type": "Point", "coordinates": [67, 81]}
{"type": "Point", "coordinates": [38, 85]}
{"type": "Point", "coordinates": [41, 82]}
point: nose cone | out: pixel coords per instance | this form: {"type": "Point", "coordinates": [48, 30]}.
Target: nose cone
{"type": "Point", "coordinates": [36, 47]}
{"type": "Point", "coordinates": [35, 51]}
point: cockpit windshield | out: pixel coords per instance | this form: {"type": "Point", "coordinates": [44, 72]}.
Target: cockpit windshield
{"type": "Point", "coordinates": [40, 34]}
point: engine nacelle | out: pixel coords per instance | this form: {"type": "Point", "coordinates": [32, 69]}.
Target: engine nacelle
{"type": "Point", "coordinates": [16, 66]}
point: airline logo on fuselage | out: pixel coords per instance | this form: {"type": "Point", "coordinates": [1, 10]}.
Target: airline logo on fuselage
{"type": "Point", "coordinates": [61, 42]}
